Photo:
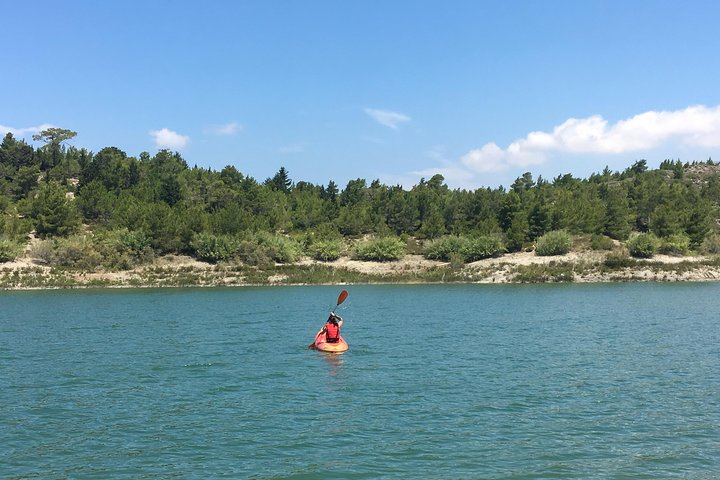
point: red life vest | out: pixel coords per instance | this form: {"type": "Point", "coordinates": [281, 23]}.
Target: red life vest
{"type": "Point", "coordinates": [333, 332]}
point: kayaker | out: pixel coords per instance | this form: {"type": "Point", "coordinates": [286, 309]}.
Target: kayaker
{"type": "Point", "coordinates": [332, 328]}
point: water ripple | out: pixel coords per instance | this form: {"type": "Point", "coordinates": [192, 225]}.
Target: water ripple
{"type": "Point", "coordinates": [476, 382]}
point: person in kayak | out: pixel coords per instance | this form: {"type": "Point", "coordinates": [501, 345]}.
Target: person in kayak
{"type": "Point", "coordinates": [332, 328]}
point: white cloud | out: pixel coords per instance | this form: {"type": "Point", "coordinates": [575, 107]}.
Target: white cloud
{"type": "Point", "coordinates": [695, 126]}
{"type": "Point", "coordinates": [165, 138]}
{"type": "Point", "coordinates": [229, 129]}
{"type": "Point", "coordinates": [387, 118]}
{"type": "Point", "coordinates": [21, 132]}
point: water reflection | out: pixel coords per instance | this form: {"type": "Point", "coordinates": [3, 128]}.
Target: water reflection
{"type": "Point", "coordinates": [335, 361]}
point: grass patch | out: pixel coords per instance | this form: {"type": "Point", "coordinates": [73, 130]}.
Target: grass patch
{"type": "Point", "coordinates": [32, 278]}
{"type": "Point", "coordinates": [617, 261]}
{"type": "Point", "coordinates": [552, 272]}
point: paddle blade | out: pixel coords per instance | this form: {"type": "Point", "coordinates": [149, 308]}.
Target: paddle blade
{"type": "Point", "coordinates": [341, 298]}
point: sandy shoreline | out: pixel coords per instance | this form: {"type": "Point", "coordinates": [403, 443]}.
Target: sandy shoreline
{"type": "Point", "coordinates": [503, 269]}
{"type": "Point", "coordinates": [582, 267]}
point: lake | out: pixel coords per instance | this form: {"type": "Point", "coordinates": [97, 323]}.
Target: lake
{"type": "Point", "coordinates": [453, 382]}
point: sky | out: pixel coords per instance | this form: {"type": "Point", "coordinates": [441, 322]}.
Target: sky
{"type": "Point", "coordinates": [478, 91]}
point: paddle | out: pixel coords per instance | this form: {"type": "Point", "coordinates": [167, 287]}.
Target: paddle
{"type": "Point", "coordinates": [341, 298]}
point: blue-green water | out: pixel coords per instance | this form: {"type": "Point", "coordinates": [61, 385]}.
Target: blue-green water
{"type": "Point", "coordinates": [456, 382]}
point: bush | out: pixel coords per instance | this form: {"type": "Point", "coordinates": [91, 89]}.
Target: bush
{"type": "Point", "coordinates": [213, 248]}
{"type": "Point", "coordinates": [122, 249]}
{"type": "Point", "coordinates": [557, 242]}
{"type": "Point", "coordinates": [250, 253]}
{"type": "Point", "coordinates": [711, 244]}
{"type": "Point", "coordinates": [14, 227]}
{"type": "Point", "coordinates": [77, 252]}
{"type": "Point", "coordinates": [544, 273]}
{"type": "Point", "coordinates": [9, 250]}
{"type": "Point", "coordinates": [457, 261]}
{"type": "Point", "coordinates": [485, 246]}
{"type": "Point", "coordinates": [325, 250]}
{"type": "Point", "coordinates": [616, 261]}
{"type": "Point", "coordinates": [601, 242]}
{"type": "Point", "coordinates": [443, 248]}
{"type": "Point", "coordinates": [677, 244]}
{"type": "Point", "coordinates": [448, 248]}
{"type": "Point", "coordinates": [263, 248]}
{"type": "Point", "coordinates": [643, 245]}
{"type": "Point", "coordinates": [279, 248]}
{"type": "Point", "coordinates": [43, 252]}
{"type": "Point", "coordinates": [380, 250]}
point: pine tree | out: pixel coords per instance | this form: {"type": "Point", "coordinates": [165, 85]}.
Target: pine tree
{"type": "Point", "coordinates": [53, 212]}
{"type": "Point", "coordinates": [280, 182]}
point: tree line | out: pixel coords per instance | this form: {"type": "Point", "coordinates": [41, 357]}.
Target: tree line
{"type": "Point", "coordinates": [158, 204]}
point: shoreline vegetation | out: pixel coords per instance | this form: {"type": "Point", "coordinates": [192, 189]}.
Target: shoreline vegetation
{"type": "Point", "coordinates": [582, 266]}
{"type": "Point", "coordinates": [72, 218]}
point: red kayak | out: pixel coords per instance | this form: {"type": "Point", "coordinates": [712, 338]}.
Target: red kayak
{"type": "Point", "coordinates": [323, 345]}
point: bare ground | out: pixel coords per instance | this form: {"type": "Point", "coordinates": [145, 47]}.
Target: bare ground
{"type": "Point", "coordinates": [503, 269]}
{"type": "Point", "coordinates": [583, 267]}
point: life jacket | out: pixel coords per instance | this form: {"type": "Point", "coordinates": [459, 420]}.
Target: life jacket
{"type": "Point", "coordinates": [333, 332]}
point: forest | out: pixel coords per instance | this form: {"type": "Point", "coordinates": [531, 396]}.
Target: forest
{"type": "Point", "coordinates": [115, 211]}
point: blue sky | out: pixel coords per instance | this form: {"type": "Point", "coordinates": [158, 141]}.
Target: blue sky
{"type": "Point", "coordinates": [479, 91]}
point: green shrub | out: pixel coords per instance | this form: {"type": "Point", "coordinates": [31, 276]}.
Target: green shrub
{"type": "Point", "coordinates": [43, 252]}
{"type": "Point", "coordinates": [677, 244]}
{"type": "Point", "coordinates": [9, 250]}
{"type": "Point", "coordinates": [213, 248]}
{"type": "Point", "coordinates": [711, 244]}
{"type": "Point", "coordinates": [643, 245]}
{"type": "Point", "coordinates": [457, 261]}
{"type": "Point", "coordinates": [383, 249]}
{"type": "Point", "coordinates": [557, 242]}
{"type": "Point", "coordinates": [133, 241]}
{"type": "Point", "coordinates": [250, 253]}
{"type": "Point", "coordinates": [14, 226]}
{"type": "Point", "coordinates": [76, 252]}
{"type": "Point", "coordinates": [448, 248]}
{"type": "Point", "coordinates": [485, 246]}
{"type": "Point", "coordinates": [325, 250]}
{"type": "Point", "coordinates": [279, 248]}
{"type": "Point", "coordinates": [601, 242]}
{"type": "Point", "coordinates": [616, 261]}
{"type": "Point", "coordinates": [443, 248]}
{"type": "Point", "coordinates": [123, 249]}
{"type": "Point", "coordinates": [263, 248]}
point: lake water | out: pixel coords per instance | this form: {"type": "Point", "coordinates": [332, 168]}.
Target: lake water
{"type": "Point", "coordinates": [453, 382]}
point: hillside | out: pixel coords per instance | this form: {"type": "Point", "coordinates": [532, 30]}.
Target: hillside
{"type": "Point", "coordinates": [111, 218]}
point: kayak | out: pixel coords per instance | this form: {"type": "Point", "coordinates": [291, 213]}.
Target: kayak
{"type": "Point", "coordinates": [336, 347]}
